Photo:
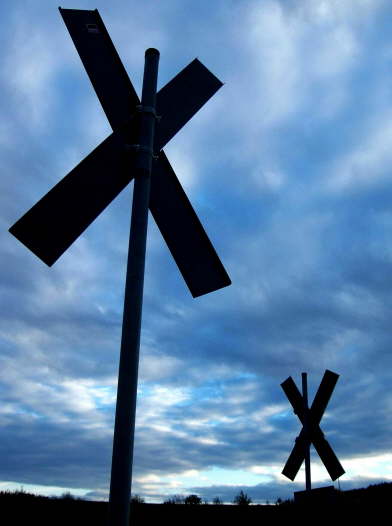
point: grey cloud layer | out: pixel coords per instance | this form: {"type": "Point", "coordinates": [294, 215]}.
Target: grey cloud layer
{"type": "Point", "coordinates": [288, 167]}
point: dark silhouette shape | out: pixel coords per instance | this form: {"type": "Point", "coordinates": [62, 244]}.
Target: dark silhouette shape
{"type": "Point", "coordinates": [192, 500]}
{"type": "Point", "coordinates": [323, 496]}
{"type": "Point", "coordinates": [133, 150]}
{"type": "Point", "coordinates": [242, 499]}
{"type": "Point", "coordinates": [313, 433]}
{"type": "Point", "coordinates": [21, 508]}
{"type": "Point", "coordinates": [59, 218]}
{"type": "Point", "coordinates": [174, 499]}
{"type": "Point", "coordinates": [136, 500]}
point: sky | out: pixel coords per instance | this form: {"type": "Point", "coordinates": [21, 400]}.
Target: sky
{"type": "Point", "coordinates": [289, 167]}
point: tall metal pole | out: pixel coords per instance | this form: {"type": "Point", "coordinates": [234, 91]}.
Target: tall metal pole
{"type": "Point", "coordinates": [306, 429]}
{"type": "Point", "coordinates": [124, 427]}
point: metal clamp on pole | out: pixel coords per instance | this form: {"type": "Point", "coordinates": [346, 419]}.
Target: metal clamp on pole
{"type": "Point", "coordinates": [146, 109]}
{"type": "Point", "coordinates": [147, 114]}
{"type": "Point", "coordinates": [139, 148]}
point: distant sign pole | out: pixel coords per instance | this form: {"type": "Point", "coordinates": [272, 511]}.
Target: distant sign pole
{"type": "Point", "coordinates": [133, 151]}
{"type": "Point", "coordinates": [308, 480]}
{"type": "Point", "coordinates": [311, 432]}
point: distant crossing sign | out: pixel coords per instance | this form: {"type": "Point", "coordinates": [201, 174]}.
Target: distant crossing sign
{"type": "Point", "coordinates": [133, 151]}
{"type": "Point", "coordinates": [311, 432]}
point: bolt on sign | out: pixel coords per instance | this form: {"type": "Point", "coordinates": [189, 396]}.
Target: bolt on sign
{"type": "Point", "coordinates": [134, 150]}
{"type": "Point", "coordinates": [311, 432]}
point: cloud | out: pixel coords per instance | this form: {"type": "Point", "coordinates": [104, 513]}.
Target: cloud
{"type": "Point", "coordinates": [287, 166]}
{"type": "Point", "coordinates": [366, 164]}
{"type": "Point", "coordinates": [30, 67]}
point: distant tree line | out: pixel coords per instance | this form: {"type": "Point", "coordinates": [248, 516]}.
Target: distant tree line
{"type": "Point", "coordinates": [242, 499]}
{"type": "Point", "coordinates": [24, 509]}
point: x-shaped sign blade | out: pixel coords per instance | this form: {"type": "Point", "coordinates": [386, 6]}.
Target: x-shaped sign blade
{"type": "Point", "coordinates": [315, 435]}
{"type": "Point", "coordinates": [59, 218]}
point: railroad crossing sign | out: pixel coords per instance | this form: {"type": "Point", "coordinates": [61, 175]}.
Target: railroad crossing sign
{"type": "Point", "coordinates": [311, 432]}
{"type": "Point", "coordinates": [59, 218]}
{"type": "Point", "coordinates": [133, 151]}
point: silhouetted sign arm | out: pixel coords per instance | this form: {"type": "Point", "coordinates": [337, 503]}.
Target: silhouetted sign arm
{"type": "Point", "coordinates": [102, 64]}
{"type": "Point", "coordinates": [183, 232]}
{"type": "Point", "coordinates": [182, 98]}
{"type": "Point", "coordinates": [323, 395]}
{"type": "Point", "coordinates": [296, 457]}
{"type": "Point", "coordinates": [294, 397]}
{"type": "Point", "coordinates": [327, 455]}
{"type": "Point", "coordinates": [58, 219]}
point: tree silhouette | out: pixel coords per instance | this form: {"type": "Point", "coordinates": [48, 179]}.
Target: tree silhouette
{"type": "Point", "coordinates": [192, 499]}
{"type": "Point", "coordinates": [242, 499]}
{"type": "Point", "coordinates": [137, 499]}
{"type": "Point", "coordinates": [175, 499]}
